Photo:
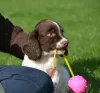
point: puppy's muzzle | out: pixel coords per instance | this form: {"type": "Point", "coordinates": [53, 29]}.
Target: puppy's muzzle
{"type": "Point", "coordinates": [64, 44]}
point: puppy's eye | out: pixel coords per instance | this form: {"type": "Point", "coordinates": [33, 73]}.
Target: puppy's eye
{"type": "Point", "coordinates": [51, 34]}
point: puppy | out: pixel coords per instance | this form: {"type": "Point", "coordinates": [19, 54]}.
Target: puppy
{"type": "Point", "coordinates": [48, 35]}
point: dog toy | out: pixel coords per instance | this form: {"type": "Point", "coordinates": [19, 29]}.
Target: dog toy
{"type": "Point", "coordinates": [53, 64]}
{"type": "Point", "coordinates": [77, 84]}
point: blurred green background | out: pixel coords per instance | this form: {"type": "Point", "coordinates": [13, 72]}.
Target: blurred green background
{"type": "Point", "coordinates": [81, 22]}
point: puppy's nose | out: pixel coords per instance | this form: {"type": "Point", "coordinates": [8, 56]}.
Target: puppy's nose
{"type": "Point", "coordinates": [65, 43]}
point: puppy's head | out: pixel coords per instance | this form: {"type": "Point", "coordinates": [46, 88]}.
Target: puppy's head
{"type": "Point", "coordinates": [49, 35]}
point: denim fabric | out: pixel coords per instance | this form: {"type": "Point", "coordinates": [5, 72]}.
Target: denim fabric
{"type": "Point", "coordinates": [18, 79]}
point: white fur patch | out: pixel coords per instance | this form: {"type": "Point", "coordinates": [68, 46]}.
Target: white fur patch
{"type": "Point", "coordinates": [58, 29]}
{"type": "Point", "coordinates": [51, 34]}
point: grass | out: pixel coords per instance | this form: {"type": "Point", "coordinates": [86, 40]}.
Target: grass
{"type": "Point", "coordinates": [81, 22]}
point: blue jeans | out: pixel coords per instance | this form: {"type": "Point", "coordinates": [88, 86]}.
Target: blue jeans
{"type": "Point", "coordinates": [18, 79]}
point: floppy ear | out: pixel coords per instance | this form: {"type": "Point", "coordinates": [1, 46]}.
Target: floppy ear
{"type": "Point", "coordinates": [32, 48]}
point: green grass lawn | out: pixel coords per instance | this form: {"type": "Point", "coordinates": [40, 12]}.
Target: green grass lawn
{"type": "Point", "coordinates": [81, 22]}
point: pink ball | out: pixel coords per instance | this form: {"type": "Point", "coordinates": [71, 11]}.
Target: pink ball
{"type": "Point", "coordinates": [77, 84]}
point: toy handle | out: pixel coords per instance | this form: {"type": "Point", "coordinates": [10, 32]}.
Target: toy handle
{"type": "Point", "coordinates": [69, 67]}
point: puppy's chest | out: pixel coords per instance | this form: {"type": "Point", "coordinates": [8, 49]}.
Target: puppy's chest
{"type": "Point", "coordinates": [45, 65]}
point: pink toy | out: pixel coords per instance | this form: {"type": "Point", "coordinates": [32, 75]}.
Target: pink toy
{"type": "Point", "coordinates": [77, 84]}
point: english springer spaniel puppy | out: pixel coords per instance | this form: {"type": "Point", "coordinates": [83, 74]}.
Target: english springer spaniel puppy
{"type": "Point", "coordinates": [39, 51]}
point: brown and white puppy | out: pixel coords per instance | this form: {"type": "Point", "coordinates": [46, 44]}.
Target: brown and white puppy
{"type": "Point", "coordinates": [39, 50]}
